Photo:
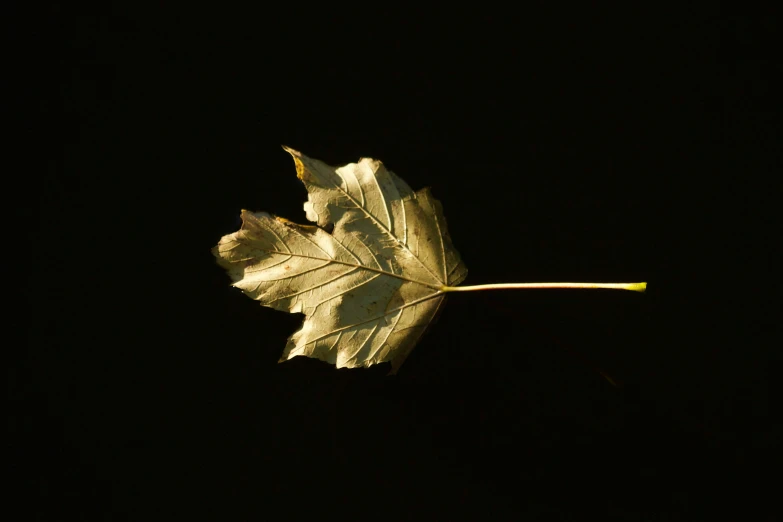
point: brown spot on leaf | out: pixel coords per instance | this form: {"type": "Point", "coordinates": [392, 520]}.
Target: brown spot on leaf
{"type": "Point", "coordinates": [300, 168]}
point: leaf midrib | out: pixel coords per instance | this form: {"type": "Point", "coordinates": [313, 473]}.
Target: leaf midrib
{"type": "Point", "coordinates": [355, 265]}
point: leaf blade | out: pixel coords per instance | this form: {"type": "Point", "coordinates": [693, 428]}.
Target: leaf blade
{"type": "Point", "coordinates": [369, 289]}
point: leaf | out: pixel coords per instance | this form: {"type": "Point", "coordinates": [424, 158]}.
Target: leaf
{"type": "Point", "coordinates": [370, 288]}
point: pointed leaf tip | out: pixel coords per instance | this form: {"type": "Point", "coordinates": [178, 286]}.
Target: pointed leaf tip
{"type": "Point", "coordinates": [297, 161]}
{"type": "Point", "coordinates": [291, 151]}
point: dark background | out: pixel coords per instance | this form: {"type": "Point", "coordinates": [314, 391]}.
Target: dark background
{"type": "Point", "coordinates": [587, 145]}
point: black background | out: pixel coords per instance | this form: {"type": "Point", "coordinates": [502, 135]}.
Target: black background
{"type": "Point", "coordinates": [565, 145]}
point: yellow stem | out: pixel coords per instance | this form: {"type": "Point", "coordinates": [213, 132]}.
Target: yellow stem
{"type": "Point", "coordinates": [635, 287]}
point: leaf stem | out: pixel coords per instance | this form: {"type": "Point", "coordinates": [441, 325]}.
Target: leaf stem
{"type": "Point", "coordinates": [635, 287]}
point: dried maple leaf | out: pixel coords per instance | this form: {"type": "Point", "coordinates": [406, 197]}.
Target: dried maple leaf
{"type": "Point", "coordinates": [368, 289]}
